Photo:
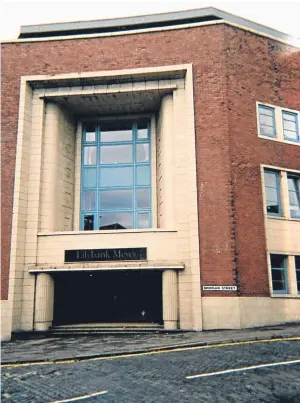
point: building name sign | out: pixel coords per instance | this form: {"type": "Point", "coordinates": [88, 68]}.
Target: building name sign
{"type": "Point", "coordinates": [220, 287]}
{"type": "Point", "coordinates": [104, 255]}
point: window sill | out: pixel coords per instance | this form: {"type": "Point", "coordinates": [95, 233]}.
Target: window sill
{"type": "Point", "coordinates": [273, 217]}
{"type": "Point", "coordinates": [294, 143]}
{"type": "Point", "coordinates": [285, 296]}
{"type": "Point", "coordinates": [106, 232]}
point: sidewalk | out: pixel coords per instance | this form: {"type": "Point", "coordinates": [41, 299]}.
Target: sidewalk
{"type": "Point", "coordinates": [83, 347]}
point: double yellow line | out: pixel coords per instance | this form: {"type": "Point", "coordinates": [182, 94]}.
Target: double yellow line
{"type": "Point", "coordinates": [167, 351]}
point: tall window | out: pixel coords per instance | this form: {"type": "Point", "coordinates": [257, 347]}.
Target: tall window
{"type": "Point", "coordinates": [116, 176]}
{"type": "Point", "coordinates": [297, 265]}
{"type": "Point", "coordinates": [279, 274]}
{"type": "Point", "coordinates": [272, 192]}
{"type": "Point", "coordinates": [290, 126]}
{"type": "Point", "coordinates": [294, 195]}
{"type": "Point", "coordinates": [267, 121]}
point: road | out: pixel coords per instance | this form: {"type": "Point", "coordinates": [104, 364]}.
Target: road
{"type": "Point", "coordinates": [162, 377]}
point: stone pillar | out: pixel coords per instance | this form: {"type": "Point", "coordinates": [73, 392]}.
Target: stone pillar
{"type": "Point", "coordinates": [44, 299]}
{"type": "Point", "coordinates": [170, 299]}
{"type": "Point", "coordinates": [166, 160]}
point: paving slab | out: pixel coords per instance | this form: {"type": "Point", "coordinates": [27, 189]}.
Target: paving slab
{"type": "Point", "coordinates": [82, 347]}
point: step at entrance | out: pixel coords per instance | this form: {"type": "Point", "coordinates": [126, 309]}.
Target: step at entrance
{"type": "Point", "coordinates": [105, 328]}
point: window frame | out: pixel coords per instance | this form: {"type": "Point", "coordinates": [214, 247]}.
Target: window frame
{"type": "Point", "coordinates": [279, 125]}
{"type": "Point", "coordinates": [286, 112]}
{"type": "Point", "coordinates": [272, 109]}
{"type": "Point", "coordinates": [134, 210]}
{"type": "Point", "coordinates": [297, 269]}
{"type": "Point", "coordinates": [285, 273]}
{"type": "Point", "coordinates": [297, 186]}
{"type": "Point", "coordinates": [278, 190]}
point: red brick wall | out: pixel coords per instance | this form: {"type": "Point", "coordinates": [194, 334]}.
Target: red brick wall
{"type": "Point", "coordinates": [258, 69]}
{"type": "Point", "coordinates": [232, 69]}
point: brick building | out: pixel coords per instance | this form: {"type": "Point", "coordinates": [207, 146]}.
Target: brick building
{"type": "Point", "coordinates": [150, 174]}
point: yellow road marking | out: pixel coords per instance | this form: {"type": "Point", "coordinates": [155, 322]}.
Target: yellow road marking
{"type": "Point", "coordinates": [174, 350]}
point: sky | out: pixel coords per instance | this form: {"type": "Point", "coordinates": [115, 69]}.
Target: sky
{"type": "Point", "coordinates": [283, 16]}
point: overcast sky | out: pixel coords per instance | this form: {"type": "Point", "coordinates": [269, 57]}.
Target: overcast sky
{"type": "Point", "coordinates": [283, 16]}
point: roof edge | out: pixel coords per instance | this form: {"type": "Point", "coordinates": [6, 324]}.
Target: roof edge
{"type": "Point", "coordinates": [145, 21]}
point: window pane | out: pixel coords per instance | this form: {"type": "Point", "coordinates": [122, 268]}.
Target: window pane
{"type": "Point", "coordinates": [119, 154]}
{"type": "Point", "coordinates": [142, 134]}
{"type": "Point", "coordinates": [294, 204]}
{"type": "Point", "coordinates": [88, 224]}
{"type": "Point", "coordinates": [278, 264]}
{"type": "Point", "coordinates": [271, 194]}
{"type": "Point", "coordinates": [142, 152]}
{"type": "Point", "coordinates": [289, 125]}
{"type": "Point", "coordinates": [295, 212]}
{"type": "Point", "coordinates": [118, 220]}
{"type": "Point", "coordinates": [115, 199]}
{"type": "Point", "coordinates": [120, 176]}
{"type": "Point", "coordinates": [89, 200]}
{"type": "Point", "coordinates": [270, 179]}
{"type": "Point", "coordinates": [291, 135]}
{"type": "Point", "coordinates": [90, 137]}
{"type": "Point", "coordinates": [289, 116]}
{"type": "Point", "coordinates": [143, 175]}
{"type": "Point", "coordinates": [266, 120]}
{"type": "Point", "coordinates": [272, 208]}
{"type": "Point", "coordinates": [266, 111]}
{"type": "Point", "coordinates": [116, 135]}
{"type": "Point", "coordinates": [116, 131]}
{"type": "Point", "coordinates": [89, 177]}
{"type": "Point", "coordinates": [272, 190]}
{"type": "Point", "coordinates": [297, 264]}
{"type": "Point", "coordinates": [142, 129]}
{"type": "Point", "coordinates": [291, 183]}
{"type": "Point", "coordinates": [294, 195]}
{"type": "Point", "coordinates": [278, 275]}
{"type": "Point", "coordinates": [267, 130]}
{"type": "Point", "coordinates": [278, 285]}
{"type": "Point", "coordinates": [143, 220]}
{"type": "Point", "coordinates": [90, 155]}
{"type": "Point", "coordinates": [293, 198]}
{"type": "Point", "coordinates": [90, 133]}
{"type": "Point", "coordinates": [277, 261]}
{"type": "Point", "coordinates": [142, 198]}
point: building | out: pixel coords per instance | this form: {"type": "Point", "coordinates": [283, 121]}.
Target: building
{"type": "Point", "coordinates": [151, 173]}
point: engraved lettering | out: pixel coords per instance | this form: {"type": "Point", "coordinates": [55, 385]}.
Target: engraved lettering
{"type": "Point", "coordinates": [105, 254]}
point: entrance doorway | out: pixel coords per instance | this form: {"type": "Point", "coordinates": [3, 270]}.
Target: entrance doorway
{"type": "Point", "coordinates": [108, 297]}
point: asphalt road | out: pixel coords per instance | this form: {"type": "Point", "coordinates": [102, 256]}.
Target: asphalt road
{"type": "Point", "coordinates": [161, 377]}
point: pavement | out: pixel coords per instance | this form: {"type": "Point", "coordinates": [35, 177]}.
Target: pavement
{"type": "Point", "coordinates": [251, 372]}
{"type": "Point", "coordinates": [55, 349]}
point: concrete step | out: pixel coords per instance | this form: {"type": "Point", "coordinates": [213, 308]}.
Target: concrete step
{"type": "Point", "coordinates": [103, 326]}
{"type": "Point", "coordinates": [109, 329]}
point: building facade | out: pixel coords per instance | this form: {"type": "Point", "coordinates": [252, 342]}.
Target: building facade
{"type": "Point", "coordinates": [151, 174]}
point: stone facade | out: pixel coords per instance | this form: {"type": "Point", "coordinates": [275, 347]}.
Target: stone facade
{"type": "Point", "coordinates": [208, 199]}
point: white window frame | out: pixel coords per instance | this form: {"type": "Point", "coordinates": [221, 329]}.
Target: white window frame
{"type": "Point", "coordinates": [278, 110]}
{"type": "Point", "coordinates": [290, 276]}
{"type": "Point", "coordinates": [284, 193]}
{"type": "Point", "coordinates": [291, 266]}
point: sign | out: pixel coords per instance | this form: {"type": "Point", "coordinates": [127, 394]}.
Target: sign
{"type": "Point", "coordinates": [104, 255]}
{"type": "Point", "coordinates": [220, 287]}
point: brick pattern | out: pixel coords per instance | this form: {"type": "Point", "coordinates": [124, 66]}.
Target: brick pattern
{"type": "Point", "coordinates": [258, 69]}
{"type": "Point", "coordinates": [232, 70]}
